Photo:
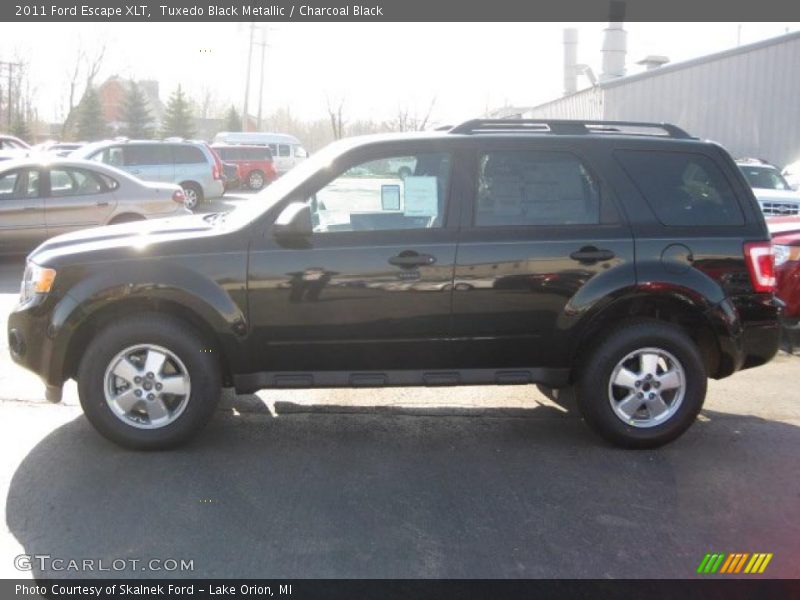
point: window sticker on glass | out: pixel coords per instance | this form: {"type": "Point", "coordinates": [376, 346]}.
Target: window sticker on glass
{"type": "Point", "coordinates": [421, 196]}
{"type": "Point", "coordinates": [390, 197]}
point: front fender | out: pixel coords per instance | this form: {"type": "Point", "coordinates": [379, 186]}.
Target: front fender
{"type": "Point", "coordinates": [219, 305]}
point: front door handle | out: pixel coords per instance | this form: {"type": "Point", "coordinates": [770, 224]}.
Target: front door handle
{"type": "Point", "coordinates": [590, 254]}
{"type": "Point", "coordinates": [102, 203]}
{"type": "Point", "coordinates": [409, 259]}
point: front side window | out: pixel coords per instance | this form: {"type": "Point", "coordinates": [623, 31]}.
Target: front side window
{"type": "Point", "coordinates": [682, 188]}
{"type": "Point", "coordinates": [16, 185]}
{"type": "Point", "coordinates": [373, 196]}
{"type": "Point", "coordinates": [8, 185]}
{"type": "Point", "coordinates": [73, 182]}
{"type": "Point", "coordinates": [146, 154]}
{"type": "Point", "coordinates": [300, 152]}
{"type": "Point", "coordinates": [535, 188]}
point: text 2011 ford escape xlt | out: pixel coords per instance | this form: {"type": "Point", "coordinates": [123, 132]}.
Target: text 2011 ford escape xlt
{"type": "Point", "coordinates": [627, 261]}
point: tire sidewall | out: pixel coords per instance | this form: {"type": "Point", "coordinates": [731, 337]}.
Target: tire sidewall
{"type": "Point", "coordinates": [592, 388]}
{"type": "Point", "coordinates": [200, 364]}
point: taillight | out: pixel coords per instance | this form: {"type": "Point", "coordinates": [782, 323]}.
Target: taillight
{"type": "Point", "coordinates": [178, 196]}
{"type": "Point", "coordinates": [215, 171]}
{"type": "Point", "coordinates": [761, 264]}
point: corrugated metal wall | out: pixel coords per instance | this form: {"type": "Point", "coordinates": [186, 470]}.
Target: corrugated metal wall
{"type": "Point", "coordinates": [749, 101]}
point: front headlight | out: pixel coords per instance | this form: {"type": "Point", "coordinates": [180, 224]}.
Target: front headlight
{"type": "Point", "coordinates": [36, 280]}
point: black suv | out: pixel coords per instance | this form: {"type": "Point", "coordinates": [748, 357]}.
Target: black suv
{"type": "Point", "coordinates": [627, 261]}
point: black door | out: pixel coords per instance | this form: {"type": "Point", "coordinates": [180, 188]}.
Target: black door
{"type": "Point", "coordinates": [541, 241]}
{"type": "Point", "coordinates": [371, 289]}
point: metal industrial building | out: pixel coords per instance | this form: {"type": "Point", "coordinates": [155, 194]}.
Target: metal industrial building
{"type": "Point", "coordinates": [746, 98]}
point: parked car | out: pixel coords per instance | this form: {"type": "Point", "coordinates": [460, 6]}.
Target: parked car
{"type": "Point", "coordinates": [58, 148]}
{"type": "Point", "coordinates": [774, 195]}
{"type": "Point", "coordinates": [232, 175]}
{"type": "Point", "coordinates": [192, 165]}
{"type": "Point", "coordinates": [12, 147]}
{"type": "Point", "coordinates": [287, 151]}
{"type": "Point", "coordinates": [786, 239]}
{"type": "Point", "coordinates": [255, 163]}
{"type": "Point", "coordinates": [42, 198]}
{"type": "Point", "coordinates": [642, 266]}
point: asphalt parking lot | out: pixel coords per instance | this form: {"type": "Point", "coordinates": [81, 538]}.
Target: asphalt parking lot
{"type": "Point", "coordinates": [457, 483]}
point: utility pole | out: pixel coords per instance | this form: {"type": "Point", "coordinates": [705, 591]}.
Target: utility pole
{"type": "Point", "coordinates": [10, 66]}
{"type": "Point", "coordinates": [247, 77]}
{"type": "Point", "coordinates": [263, 45]}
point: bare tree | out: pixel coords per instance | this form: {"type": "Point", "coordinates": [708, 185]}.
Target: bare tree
{"type": "Point", "coordinates": [85, 69]}
{"type": "Point", "coordinates": [408, 120]}
{"type": "Point", "coordinates": [335, 112]}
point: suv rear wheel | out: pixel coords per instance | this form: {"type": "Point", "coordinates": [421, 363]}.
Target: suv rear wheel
{"type": "Point", "coordinates": [643, 386]}
{"type": "Point", "coordinates": [255, 181]}
{"type": "Point", "coordinates": [149, 382]}
{"type": "Point", "coordinates": [193, 194]}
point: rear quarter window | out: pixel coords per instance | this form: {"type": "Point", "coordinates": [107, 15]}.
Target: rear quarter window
{"type": "Point", "coordinates": [685, 189]}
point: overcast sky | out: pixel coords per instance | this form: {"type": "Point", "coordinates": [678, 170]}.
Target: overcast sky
{"type": "Point", "coordinates": [375, 67]}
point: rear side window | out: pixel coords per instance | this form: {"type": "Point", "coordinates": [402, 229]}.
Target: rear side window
{"type": "Point", "coordinates": [535, 188]}
{"type": "Point", "coordinates": [74, 182]}
{"type": "Point", "coordinates": [183, 155]}
{"type": "Point", "coordinates": [284, 150]}
{"type": "Point", "coordinates": [683, 188]}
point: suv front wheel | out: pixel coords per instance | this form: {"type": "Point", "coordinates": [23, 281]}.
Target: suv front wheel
{"type": "Point", "coordinates": [149, 382]}
{"type": "Point", "coordinates": [643, 386]}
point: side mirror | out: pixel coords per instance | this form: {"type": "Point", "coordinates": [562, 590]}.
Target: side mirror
{"type": "Point", "coordinates": [294, 222]}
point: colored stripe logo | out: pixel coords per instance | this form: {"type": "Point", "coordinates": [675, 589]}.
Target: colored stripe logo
{"type": "Point", "coordinates": [736, 562]}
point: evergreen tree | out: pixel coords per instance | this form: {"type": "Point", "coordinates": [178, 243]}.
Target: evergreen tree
{"type": "Point", "coordinates": [233, 122]}
{"type": "Point", "coordinates": [136, 114]}
{"type": "Point", "coordinates": [178, 121]}
{"type": "Point", "coordinates": [90, 124]}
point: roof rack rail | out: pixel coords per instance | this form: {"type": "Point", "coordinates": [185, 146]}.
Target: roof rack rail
{"type": "Point", "coordinates": [569, 127]}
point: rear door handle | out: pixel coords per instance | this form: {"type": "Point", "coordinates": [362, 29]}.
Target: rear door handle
{"type": "Point", "coordinates": [102, 203]}
{"type": "Point", "coordinates": [410, 259]}
{"type": "Point", "coordinates": [589, 254]}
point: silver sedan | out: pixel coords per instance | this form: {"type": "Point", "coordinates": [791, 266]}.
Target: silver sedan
{"type": "Point", "coordinates": [42, 197]}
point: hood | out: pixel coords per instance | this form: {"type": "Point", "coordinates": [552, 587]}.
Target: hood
{"type": "Point", "coordinates": [765, 195]}
{"type": "Point", "coordinates": [139, 236]}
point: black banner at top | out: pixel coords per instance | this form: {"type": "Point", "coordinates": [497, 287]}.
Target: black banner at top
{"type": "Point", "coordinates": [398, 10]}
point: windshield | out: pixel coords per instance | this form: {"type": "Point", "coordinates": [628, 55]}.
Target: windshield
{"type": "Point", "coordinates": [267, 198]}
{"type": "Point", "coordinates": [765, 178]}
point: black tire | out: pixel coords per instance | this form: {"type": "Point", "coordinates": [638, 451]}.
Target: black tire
{"type": "Point", "coordinates": [193, 195]}
{"type": "Point", "coordinates": [256, 180]}
{"type": "Point", "coordinates": [169, 333]}
{"type": "Point", "coordinates": [564, 397]}
{"type": "Point", "coordinates": [592, 387]}
{"type": "Point", "coordinates": [126, 218]}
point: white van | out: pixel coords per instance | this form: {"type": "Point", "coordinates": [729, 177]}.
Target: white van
{"type": "Point", "coordinates": [287, 151]}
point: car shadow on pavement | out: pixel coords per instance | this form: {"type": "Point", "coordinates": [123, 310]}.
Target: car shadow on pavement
{"type": "Point", "coordinates": [363, 492]}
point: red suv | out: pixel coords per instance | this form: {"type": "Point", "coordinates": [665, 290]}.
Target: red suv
{"type": "Point", "coordinates": [255, 163]}
{"type": "Point", "coordinates": [786, 242]}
